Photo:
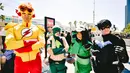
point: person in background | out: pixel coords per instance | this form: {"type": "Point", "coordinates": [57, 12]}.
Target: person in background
{"type": "Point", "coordinates": [6, 56]}
{"type": "Point", "coordinates": [57, 47]}
{"type": "Point", "coordinates": [68, 38]}
{"type": "Point", "coordinates": [49, 33]}
{"type": "Point", "coordinates": [62, 34]}
{"type": "Point", "coordinates": [25, 39]}
{"type": "Point", "coordinates": [111, 53]}
{"type": "Point", "coordinates": [2, 59]}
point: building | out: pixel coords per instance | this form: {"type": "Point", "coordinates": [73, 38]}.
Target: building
{"type": "Point", "coordinates": [17, 19]}
{"type": "Point", "coordinates": [127, 14]}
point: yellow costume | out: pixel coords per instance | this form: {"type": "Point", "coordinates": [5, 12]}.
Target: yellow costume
{"type": "Point", "coordinates": [26, 39]}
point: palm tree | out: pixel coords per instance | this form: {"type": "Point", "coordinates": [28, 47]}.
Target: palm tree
{"type": "Point", "coordinates": [75, 22]}
{"type": "Point", "coordinates": [70, 23]}
{"type": "Point", "coordinates": [2, 17]}
{"type": "Point", "coordinates": [80, 22]}
{"type": "Point", "coordinates": [85, 24]}
{"type": "Point", "coordinates": [1, 6]}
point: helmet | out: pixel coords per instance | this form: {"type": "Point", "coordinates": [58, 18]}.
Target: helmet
{"type": "Point", "coordinates": [80, 28]}
{"type": "Point", "coordinates": [26, 8]}
{"type": "Point", "coordinates": [103, 24]}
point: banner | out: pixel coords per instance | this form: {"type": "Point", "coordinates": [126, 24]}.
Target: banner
{"type": "Point", "coordinates": [49, 23]}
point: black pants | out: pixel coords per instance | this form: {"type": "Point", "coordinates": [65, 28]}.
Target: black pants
{"type": "Point", "coordinates": [106, 69]}
{"type": "Point", "coordinates": [8, 67]}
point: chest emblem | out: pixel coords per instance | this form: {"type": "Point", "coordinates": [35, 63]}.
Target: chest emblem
{"type": "Point", "coordinates": [58, 44]}
{"type": "Point", "coordinates": [26, 32]}
{"type": "Point", "coordinates": [102, 44]}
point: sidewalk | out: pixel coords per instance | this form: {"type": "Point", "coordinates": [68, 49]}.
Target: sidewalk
{"type": "Point", "coordinates": [70, 67]}
{"type": "Point", "coordinates": [127, 65]}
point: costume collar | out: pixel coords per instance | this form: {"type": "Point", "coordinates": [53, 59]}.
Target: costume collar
{"type": "Point", "coordinates": [26, 24]}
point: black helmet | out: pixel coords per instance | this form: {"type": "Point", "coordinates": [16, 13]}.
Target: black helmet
{"type": "Point", "coordinates": [103, 24]}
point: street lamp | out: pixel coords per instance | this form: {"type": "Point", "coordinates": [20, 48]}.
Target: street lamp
{"type": "Point", "coordinates": [94, 12]}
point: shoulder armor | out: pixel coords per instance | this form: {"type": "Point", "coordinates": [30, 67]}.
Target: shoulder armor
{"type": "Point", "coordinates": [10, 25]}
{"type": "Point", "coordinates": [41, 27]}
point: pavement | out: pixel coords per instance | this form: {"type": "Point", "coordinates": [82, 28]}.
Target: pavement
{"type": "Point", "coordinates": [70, 67]}
{"type": "Point", "coordinates": [127, 65]}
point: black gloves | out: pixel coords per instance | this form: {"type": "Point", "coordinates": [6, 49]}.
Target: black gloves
{"type": "Point", "coordinates": [122, 54]}
{"type": "Point", "coordinates": [95, 52]}
{"type": "Point", "coordinates": [118, 49]}
{"type": "Point", "coordinates": [87, 46]}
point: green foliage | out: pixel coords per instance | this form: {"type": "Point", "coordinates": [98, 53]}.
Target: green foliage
{"type": "Point", "coordinates": [2, 17]}
{"type": "Point", "coordinates": [75, 22]}
{"type": "Point", "coordinates": [1, 6]}
{"type": "Point", "coordinates": [127, 29]}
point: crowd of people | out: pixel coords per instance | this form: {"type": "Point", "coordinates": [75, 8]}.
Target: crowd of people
{"type": "Point", "coordinates": [23, 43]}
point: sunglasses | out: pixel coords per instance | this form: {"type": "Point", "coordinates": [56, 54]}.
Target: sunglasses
{"type": "Point", "coordinates": [49, 27]}
{"type": "Point", "coordinates": [105, 27]}
{"type": "Point", "coordinates": [23, 8]}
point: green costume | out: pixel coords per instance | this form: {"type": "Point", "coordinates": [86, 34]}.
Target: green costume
{"type": "Point", "coordinates": [82, 63]}
{"type": "Point", "coordinates": [57, 48]}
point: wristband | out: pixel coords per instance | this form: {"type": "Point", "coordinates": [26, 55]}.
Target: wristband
{"type": "Point", "coordinates": [66, 54]}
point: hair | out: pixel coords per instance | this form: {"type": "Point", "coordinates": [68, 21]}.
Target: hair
{"type": "Point", "coordinates": [85, 36]}
{"type": "Point", "coordinates": [103, 23]}
{"type": "Point", "coordinates": [25, 6]}
{"type": "Point", "coordinates": [56, 29]}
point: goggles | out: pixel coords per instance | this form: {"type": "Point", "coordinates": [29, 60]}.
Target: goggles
{"type": "Point", "coordinates": [102, 28]}
{"type": "Point", "coordinates": [24, 8]}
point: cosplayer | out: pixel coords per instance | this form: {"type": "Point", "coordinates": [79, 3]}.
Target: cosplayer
{"type": "Point", "coordinates": [6, 56]}
{"type": "Point", "coordinates": [81, 44]}
{"type": "Point", "coordinates": [111, 50]}
{"type": "Point", "coordinates": [25, 39]}
{"type": "Point", "coordinates": [57, 47]}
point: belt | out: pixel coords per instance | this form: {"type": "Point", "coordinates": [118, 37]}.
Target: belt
{"type": "Point", "coordinates": [84, 57]}
{"type": "Point", "coordinates": [56, 62]}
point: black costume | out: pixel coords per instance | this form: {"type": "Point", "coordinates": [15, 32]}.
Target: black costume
{"type": "Point", "coordinates": [108, 58]}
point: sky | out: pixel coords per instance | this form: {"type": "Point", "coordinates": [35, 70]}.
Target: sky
{"type": "Point", "coordinates": [66, 11]}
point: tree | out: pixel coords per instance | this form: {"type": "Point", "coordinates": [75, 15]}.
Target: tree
{"type": "Point", "coordinates": [1, 6]}
{"type": "Point", "coordinates": [80, 22]}
{"type": "Point", "coordinates": [127, 29]}
{"type": "Point", "coordinates": [70, 23]}
{"type": "Point", "coordinates": [75, 22]}
{"type": "Point", "coordinates": [85, 24]}
{"type": "Point", "coordinates": [2, 17]}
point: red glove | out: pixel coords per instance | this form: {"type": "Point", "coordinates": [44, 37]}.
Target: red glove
{"type": "Point", "coordinates": [24, 49]}
{"type": "Point", "coordinates": [27, 46]}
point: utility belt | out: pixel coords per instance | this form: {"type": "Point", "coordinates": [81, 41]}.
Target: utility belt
{"type": "Point", "coordinates": [84, 57]}
{"type": "Point", "coordinates": [56, 62]}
